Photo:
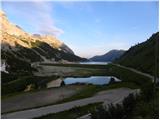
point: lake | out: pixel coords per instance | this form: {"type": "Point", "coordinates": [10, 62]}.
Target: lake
{"type": "Point", "coordinates": [95, 80]}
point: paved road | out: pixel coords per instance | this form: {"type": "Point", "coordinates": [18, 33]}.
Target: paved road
{"type": "Point", "coordinates": [136, 71]}
{"type": "Point", "coordinates": [110, 96]}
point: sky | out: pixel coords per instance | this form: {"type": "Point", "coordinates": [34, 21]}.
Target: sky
{"type": "Point", "coordinates": [89, 28]}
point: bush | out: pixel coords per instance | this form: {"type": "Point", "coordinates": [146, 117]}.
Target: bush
{"type": "Point", "coordinates": [117, 111]}
{"type": "Point", "coordinates": [144, 105]}
{"type": "Point", "coordinates": [148, 91]}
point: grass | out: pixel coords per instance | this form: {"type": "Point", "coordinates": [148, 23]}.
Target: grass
{"type": "Point", "coordinates": [110, 70]}
{"type": "Point", "coordinates": [129, 79]}
{"type": "Point", "coordinates": [72, 113]}
{"type": "Point", "coordinates": [107, 70]}
{"type": "Point", "coordinates": [86, 72]}
{"type": "Point", "coordinates": [127, 75]}
{"type": "Point", "coordinates": [88, 91]}
{"type": "Point", "coordinates": [17, 86]}
{"type": "Point", "coordinates": [93, 66]}
{"type": "Point", "coordinates": [134, 82]}
{"type": "Point", "coordinates": [93, 89]}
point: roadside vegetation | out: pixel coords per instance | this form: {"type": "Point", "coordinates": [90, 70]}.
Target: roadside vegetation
{"type": "Point", "coordinates": [142, 106]}
{"type": "Point", "coordinates": [91, 90]}
{"type": "Point", "coordinates": [72, 113]}
{"type": "Point", "coordinates": [18, 85]}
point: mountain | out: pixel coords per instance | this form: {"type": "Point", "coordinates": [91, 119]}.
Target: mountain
{"type": "Point", "coordinates": [19, 49]}
{"type": "Point", "coordinates": [108, 57]}
{"type": "Point", "coordinates": [143, 56]}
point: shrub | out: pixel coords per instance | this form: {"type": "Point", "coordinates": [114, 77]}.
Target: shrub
{"type": "Point", "coordinates": [117, 111]}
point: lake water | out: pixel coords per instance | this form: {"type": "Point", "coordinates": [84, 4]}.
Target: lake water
{"type": "Point", "coordinates": [95, 80]}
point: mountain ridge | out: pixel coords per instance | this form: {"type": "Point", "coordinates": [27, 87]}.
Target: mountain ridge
{"type": "Point", "coordinates": [18, 45]}
{"type": "Point", "coordinates": [108, 57]}
{"type": "Point", "coordinates": [143, 55]}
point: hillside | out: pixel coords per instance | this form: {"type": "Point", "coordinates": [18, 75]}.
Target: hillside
{"type": "Point", "coordinates": [143, 56]}
{"type": "Point", "coordinates": [108, 57]}
{"type": "Point", "coordinates": [19, 49]}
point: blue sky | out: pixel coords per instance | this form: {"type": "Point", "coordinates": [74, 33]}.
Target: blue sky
{"type": "Point", "coordinates": [89, 28]}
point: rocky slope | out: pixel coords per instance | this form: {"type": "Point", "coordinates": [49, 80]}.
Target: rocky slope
{"type": "Point", "coordinates": [108, 57]}
{"type": "Point", "coordinates": [19, 49]}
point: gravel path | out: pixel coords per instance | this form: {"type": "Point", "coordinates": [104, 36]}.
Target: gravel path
{"type": "Point", "coordinates": [109, 96]}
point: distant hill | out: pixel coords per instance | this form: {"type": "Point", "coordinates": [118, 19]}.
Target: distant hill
{"type": "Point", "coordinates": [108, 57]}
{"type": "Point", "coordinates": [142, 56]}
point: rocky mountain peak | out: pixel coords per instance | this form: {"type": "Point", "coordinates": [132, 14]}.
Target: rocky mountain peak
{"type": "Point", "coordinates": [10, 28]}
{"type": "Point", "coordinates": [13, 34]}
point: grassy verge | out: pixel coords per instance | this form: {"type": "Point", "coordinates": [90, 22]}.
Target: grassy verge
{"type": "Point", "coordinates": [127, 75]}
{"type": "Point", "coordinates": [72, 113]}
{"type": "Point", "coordinates": [17, 86]}
{"type": "Point", "coordinates": [93, 89]}
{"type": "Point", "coordinates": [83, 72]}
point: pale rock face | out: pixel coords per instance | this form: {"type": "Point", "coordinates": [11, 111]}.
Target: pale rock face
{"type": "Point", "coordinates": [51, 40]}
{"type": "Point", "coordinates": [13, 34]}
{"type": "Point", "coordinates": [8, 27]}
{"type": "Point", "coordinates": [11, 40]}
{"type": "Point", "coordinates": [10, 33]}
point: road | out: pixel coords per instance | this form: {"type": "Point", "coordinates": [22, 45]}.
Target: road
{"type": "Point", "coordinates": [137, 71]}
{"type": "Point", "coordinates": [109, 96]}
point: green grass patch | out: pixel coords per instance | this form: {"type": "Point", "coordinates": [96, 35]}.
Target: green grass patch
{"type": "Point", "coordinates": [18, 85]}
{"type": "Point", "coordinates": [93, 89]}
{"type": "Point", "coordinates": [127, 75]}
{"type": "Point", "coordinates": [93, 66]}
